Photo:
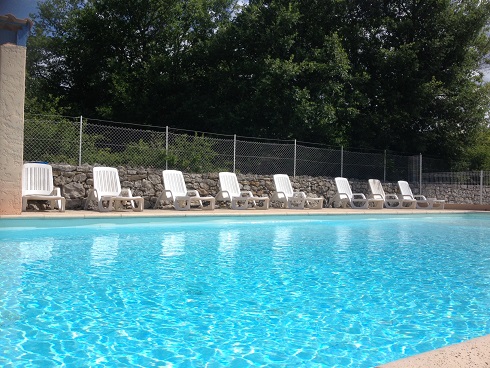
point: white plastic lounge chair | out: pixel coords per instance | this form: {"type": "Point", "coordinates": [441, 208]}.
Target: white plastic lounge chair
{"type": "Point", "coordinates": [390, 200]}
{"type": "Point", "coordinates": [37, 185]}
{"type": "Point", "coordinates": [240, 199]}
{"type": "Point", "coordinates": [176, 192]}
{"type": "Point", "coordinates": [422, 201]}
{"type": "Point", "coordinates": [108, 193]}
{"type": "Point", "coordinates": [345, 197]}
{"type": "Point", "coordinates": [294, 200]}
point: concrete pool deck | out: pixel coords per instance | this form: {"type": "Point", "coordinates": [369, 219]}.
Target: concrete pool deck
{"type": "Point", "coordinates": [471, 353]}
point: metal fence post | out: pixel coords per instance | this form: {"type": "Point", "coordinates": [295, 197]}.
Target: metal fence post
{"type": "Point", "coordinates": [384, 168]}
{"type": "Point", "coordinates": [80, 143]}
{"type": "Point", "coordinates": [234, 151]}
{"type": "Point", "coordinates": [341, 161]}
{"type": "Point", "coordinates": [294, 163]}
{"type": "Point", "coordinates": [420, 175]}
{"type": "Point", "coordinates": [481, 186]}
{"type": "Point", "coordinates": [166, 147]}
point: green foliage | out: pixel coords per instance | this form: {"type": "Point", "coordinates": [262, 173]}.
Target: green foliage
{"type": "Point", "coordinates": [477, 156]}
{"type": "Point", "coordinates": [418, 63]}
{"type": "Point", "coordinates": [192, 154]}
{"type": "Point", "coordinates": [143, 153]}
{"type": "Point", "coordinates": [273, 74]}
{"type": "Point", "coordinates": [59, 142]}
{"type": "Point", "coordinates": [45, 141]}
{"type": "Point", "coordinates": [118, 60]}
{"type": "Point", "coordinates": [94, 152]}
{"type": "Point", "coordinates": [397, 75]}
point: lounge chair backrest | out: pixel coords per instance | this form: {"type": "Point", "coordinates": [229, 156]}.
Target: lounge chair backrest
{"type": "Point", "coordinates": [376, 189]}
{"type": "Point", "coordinates": [229, 182]}
{"type": "Point", "coordinates": [343, 187]}
{"type": "Point", "coordinates": [173, 180]}
{"type": "Point", "coordinates": [106, 181]}
{"type": "Point", "coordinates": [283, 184]}
{"type": "Point", "coordinates": [405, 190]}
{"type": "Point", "coordinates": [37, 179]}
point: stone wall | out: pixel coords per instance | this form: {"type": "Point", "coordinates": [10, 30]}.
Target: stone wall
{"type": "Point", "coordinates": [76, 181]}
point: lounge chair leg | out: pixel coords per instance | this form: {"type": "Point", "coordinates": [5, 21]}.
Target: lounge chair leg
{"type": "Point", "coordinates": [101, 205]}
{"type": "Point", "coordinates": [140, 204]}
{"type": "Point", "coordinates": [315, 203]}
{"type": "Point", "coordinates": [296, 203]}
{"type": "Point", "coordinates": [210, 206]}
{"type": "Point", "coordinates": [264, 204]}
{"type": "Point", "coordinates": [61, 205]}
{"type": "Point", "coordinates": [240, 204]}
{"type": "Point", "coordinates": [182, 203]}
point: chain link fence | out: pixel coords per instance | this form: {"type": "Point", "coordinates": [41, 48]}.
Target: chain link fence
{"type": "Point", "coordinates": [77, 141]}
{"type": "Point", "coordinates": [458, 178]}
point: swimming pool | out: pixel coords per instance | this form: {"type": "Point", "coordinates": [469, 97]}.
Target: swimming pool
{"type": "Point", "coordinates": [276, 291]}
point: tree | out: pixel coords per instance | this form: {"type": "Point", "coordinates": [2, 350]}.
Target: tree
{"type": "Point", "coordinates": [416, 65]}
{"type": "Point", "coordinates": [391, 74]}
{"type": "Point", "coordinates": [279, 74]}
{"type": "Point", "coordinates": [119, 60]}
{"type": "Point", "coordinates": [477, 155]}
{"type": "Point", "coordinates": [47, 72]}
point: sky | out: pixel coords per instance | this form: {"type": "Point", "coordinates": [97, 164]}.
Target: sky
{"type": "Point", "coordinates": [19, 8]}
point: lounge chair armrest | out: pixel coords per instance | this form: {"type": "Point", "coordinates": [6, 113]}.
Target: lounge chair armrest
{"type": "Point", "coordinates": [56, 192]}
{"type": "Point", "coordinates": [127, 191]}
{"type": "Point", "coordinates": [193, 193]}
{"type": "Point", "coordinates": [405, 197]}
{"type": "Point", "coordinates": [391, 196]}
{"type": "Point", "coordinates": [341, 196]}
{"type": "Point", "coordinates": [167, 194]}
{"type": "Point", "coordinates": [223, 195]}
{"type": "Point", "coordinates": [278, 196]}
{"type": "Point", "coordinates": [358, 196]}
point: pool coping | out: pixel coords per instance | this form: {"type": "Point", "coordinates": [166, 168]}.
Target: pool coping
{"type": "Point", "coordinates": [471, 353]}
{"type": "Point", "coordinates": [224, 212]}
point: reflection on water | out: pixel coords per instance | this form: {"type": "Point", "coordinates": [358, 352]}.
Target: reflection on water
{"type": "Point", "coordinates": [343, 237]}
{"type": "Point", "coordinates": [16, 258]}
{"type": "Point", "coordinates": [104, 250]}
{"type": "Point", "coordinates": [227, 246]}
{"type": "Point", "coordinates": [281, 243]}
{"type": "Point", "coordinates": [36, 251]}
{"type": "Point", "coordinates": [404, 235]}
{"type": "Point", "coordinates": [375, 238]}
{"type": "Point", "coordinates": [173, 245]}
{"type": "Point", "coordinates": [282, 237]}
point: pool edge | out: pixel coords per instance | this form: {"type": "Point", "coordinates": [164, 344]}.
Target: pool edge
{"type": "Point", "coordinates": [471, 353]}
{"type": "Point", "coordinates": [224, 212]}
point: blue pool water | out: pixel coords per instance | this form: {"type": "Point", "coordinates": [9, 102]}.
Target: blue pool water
{"type": "Point", "coordinates": [347, 291]}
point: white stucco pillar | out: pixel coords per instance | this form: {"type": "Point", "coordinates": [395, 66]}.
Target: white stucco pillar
{"type": "Point", "coordinates": [12, 91]}
{"type": "Point", "coordinates": [13, 39]}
